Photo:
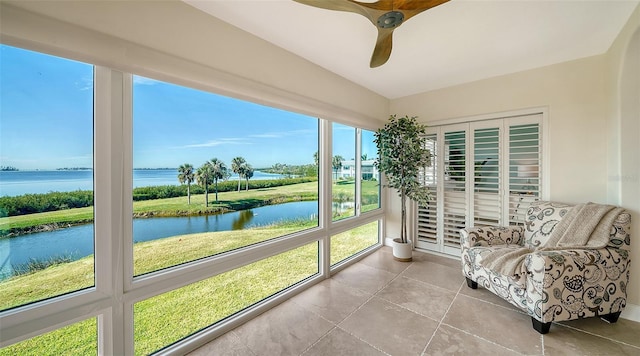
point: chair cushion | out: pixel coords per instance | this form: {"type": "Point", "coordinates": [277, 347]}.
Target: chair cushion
{"type": "Point", "coordinates": [542, 217]}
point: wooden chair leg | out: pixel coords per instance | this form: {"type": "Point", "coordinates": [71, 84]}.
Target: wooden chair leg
{"type": "Point", "coordinates": [611, 318]}
{"type": "Point", "coordinates": [472, 284]}
{"type": "Point", "coordinates": [539, 326]}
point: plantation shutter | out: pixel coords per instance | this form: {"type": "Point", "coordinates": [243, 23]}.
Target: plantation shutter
{"type": "Point", "coordinates": [487, 190]}
{"type": "Point", "coordinates": [427, 215]}
{"type": "Point", "coordinates": [483, 173]}
{"type": "Point", "coordinates": [455, 186]}
{"type": "Point", "coordinates": [524, 169]}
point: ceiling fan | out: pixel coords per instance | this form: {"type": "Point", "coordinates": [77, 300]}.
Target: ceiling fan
{"type": "Point", "coordinates": [386, 15]}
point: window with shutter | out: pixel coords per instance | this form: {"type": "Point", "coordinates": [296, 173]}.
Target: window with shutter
{"type": "Point", "coordinates": [483, 173]}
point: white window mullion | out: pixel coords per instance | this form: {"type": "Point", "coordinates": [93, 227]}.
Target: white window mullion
{"type": "Point", "coordinates": [358, 172]}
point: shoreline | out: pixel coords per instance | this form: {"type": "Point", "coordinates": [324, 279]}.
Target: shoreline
{"type": "Point", "coordinates": [218, 210]}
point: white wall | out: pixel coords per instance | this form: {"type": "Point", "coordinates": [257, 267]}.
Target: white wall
{"type": "Point", "coordinates": [624, 132]}
{"type": "Point", "coordinates": [574, 93]}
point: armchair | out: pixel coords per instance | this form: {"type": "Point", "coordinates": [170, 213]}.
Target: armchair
{"type": "Point", "coordinates": [552, 283]}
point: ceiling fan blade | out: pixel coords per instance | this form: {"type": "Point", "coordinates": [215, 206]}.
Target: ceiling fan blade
{"type": "Point", "coordinates": [382, 51]}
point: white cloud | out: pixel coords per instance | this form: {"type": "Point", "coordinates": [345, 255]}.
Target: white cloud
{"type": "Point", "coordinates": [219, 142]}
{"type": "Point", "coordinates": [85, 83]}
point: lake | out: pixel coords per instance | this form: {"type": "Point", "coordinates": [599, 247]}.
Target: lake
{"type": "Point", "coordinates": [14, 183]}
{"type": "Point", "coordinates": [77, 241]}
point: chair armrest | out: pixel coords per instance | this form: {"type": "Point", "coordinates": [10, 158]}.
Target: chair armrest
{"type": "Point", "coordinates": [491, 236]}
{"type": "Point", "coordinates": [582, 282]}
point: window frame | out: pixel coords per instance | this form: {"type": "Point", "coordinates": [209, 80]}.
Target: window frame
{"type": "Point", "coordinates": [116, 290]}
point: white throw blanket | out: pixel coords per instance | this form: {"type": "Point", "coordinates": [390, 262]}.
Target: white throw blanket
{"type": "Point", "coordinates": [585, 226]}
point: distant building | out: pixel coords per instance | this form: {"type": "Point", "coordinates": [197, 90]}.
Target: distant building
{"type": "Point", "coordinates": [348, 170]}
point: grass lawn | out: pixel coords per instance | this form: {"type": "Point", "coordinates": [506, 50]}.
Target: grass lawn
{"type": "Point", "coordinates": [167, 318]}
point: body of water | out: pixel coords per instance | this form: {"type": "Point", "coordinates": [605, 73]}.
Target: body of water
{"type": "Point", "coordinates": [78, 241]}
{"type": "Point", "coordinates": [14, 183]}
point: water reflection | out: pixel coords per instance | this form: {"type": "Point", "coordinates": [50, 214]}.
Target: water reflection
{"type": "Point", "coordinates": [243, 219]}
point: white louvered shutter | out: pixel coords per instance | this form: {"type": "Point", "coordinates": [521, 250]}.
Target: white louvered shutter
{"type": "Point", "coordinates": [455, 186]}
{"type": "Point", "coordinates": [428, 215]}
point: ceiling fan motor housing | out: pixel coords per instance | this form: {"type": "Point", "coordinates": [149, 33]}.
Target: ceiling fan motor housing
{"type": "Point", "coordinates": [390, 19]}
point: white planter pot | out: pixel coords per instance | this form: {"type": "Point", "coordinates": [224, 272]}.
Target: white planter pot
{"type": "Point", "coordinates": [402, 251]}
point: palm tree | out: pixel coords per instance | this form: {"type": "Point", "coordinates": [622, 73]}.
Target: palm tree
{"type": "Point", "coordinates": [247, 173]}
{"type": "Point", "coordinates": [236, 166]}
{"type": "Point", "coordinates": [204, 177]}
{"type": "Point", "coordinates": [186, 175]}
{"type": "Point", "coordinates": [219, 171]}
{"type": "Point", "coordinates": [316, 158]}
{"type": "Point", "coordinates": [336, 163]}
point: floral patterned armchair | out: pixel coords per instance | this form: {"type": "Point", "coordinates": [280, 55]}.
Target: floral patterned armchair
{"type": "Point", "coordinates": [559, 284]}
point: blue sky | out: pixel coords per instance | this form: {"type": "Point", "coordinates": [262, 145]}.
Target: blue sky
{"type": "Point", "coordinates": [47, 109]}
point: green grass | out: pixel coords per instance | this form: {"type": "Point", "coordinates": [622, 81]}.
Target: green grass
{"type": "Point", "coordinates": [166, 318]}
{"type": "Point", "coordinates": [80, 338]}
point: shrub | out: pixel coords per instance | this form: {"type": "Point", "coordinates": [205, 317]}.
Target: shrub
{"type": "Point", "coordinates": [40, 203]}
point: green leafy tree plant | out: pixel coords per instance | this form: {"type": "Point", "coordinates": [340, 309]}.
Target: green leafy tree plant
{"type": "Point", "coordinates": [186, 175]}
{"type": "Point", "coordinates": [336, 163]}
{"type": "Point", "coordinates": [204, 177]}
{"type": "Point", "coordinates": [218, 171]}
{"type": "Point", "coordinates": [247, 173]}
{"type": "Point", "coordinates": [402, 153]}
{"type": "Point", "coordinates": [236, 167]}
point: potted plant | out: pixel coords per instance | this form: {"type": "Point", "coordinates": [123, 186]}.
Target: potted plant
{"type": "Point", "coordinates": [402, 153]}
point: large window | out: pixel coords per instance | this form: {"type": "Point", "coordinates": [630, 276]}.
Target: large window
{"type": "Point", "coordinates": [213, 174]}
{"type": "Point", "coordinates": [169, 317]}
{"type": "Point", "coordinates": [369, 175]}
{"type": "Point", "coordinates": [343, 165]}
{"type": "Point", "coordinates": [349, 243]}
{"type": "Point", "coordinates": [356, 180]}
{"type": "Point", "coordinates": [207, 208]}
{"type": "Point", "coordinates": [46, 177]}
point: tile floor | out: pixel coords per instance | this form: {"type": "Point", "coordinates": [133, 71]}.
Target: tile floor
{"type": "Point", "coordinates": [382, 307]}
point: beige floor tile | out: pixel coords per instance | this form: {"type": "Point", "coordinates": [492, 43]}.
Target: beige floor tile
{"type": "Point", "coordinates": [363, 277]}
{"type": "Point", "coordinates": [508, 328]}
{"type": "Point", "coordinates": [434, 273]}
{"type": "Point", "coordinates": [566, 341]}
{"type": "Point", "coordinates": [383, 259]}
{"type": "Point", "coordinates": [451, 341]}
{"type": "Point", "coordinates": [417, 296]}
{"type": "Point", "coordinates": [390, 328]}
{"type": "Point", "coordinates": [287, 329]}
{"type": "Point", "coordinates": [380, 310]}
{"type": "Point", "coordinates": [227, 344]}
{"type": "Point", "coordinates": [332, 300]}
{"type": "Point", "coordinates": [339, 342]}
{"type": "Point", "coordinates": [623, 330]}
{"type": "Point", "coordinates": [445, 261]}
{"type": "Point", "coordinates": [487, 296]}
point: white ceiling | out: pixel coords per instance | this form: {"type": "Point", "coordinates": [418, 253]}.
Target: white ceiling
{"type": "Point", "coordinates": [457, 42]}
